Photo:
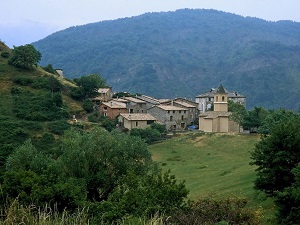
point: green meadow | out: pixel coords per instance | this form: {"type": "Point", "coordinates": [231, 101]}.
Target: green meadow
{"type": "Point", "coordinates": [213, 165]}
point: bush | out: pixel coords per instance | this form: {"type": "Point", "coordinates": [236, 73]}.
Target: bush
{"type": "Point", "coordinates": [37, 106]}
{"type": "Point", "coordinates": [58, 127]}
{"type": "Point", "coordinates": [23, 80]}
{"type": "Point", "coordinates": [88, 106]}
{"type": "Point", "coordinates": [49, 68]}
{"type": "Point", "coordinates": [210, 211]}
{"type": "Point", "coordinates": [5, 54]}
{"type": "Point", "coordinates": [149, 135]}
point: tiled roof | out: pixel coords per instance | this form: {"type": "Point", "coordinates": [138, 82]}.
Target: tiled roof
{"type": "Point", "coordinates": [103, 90]}
{"type": "Point", "coordinates": [148, 99]}
{"type": "Point", "coordinates": [135, 100]}
{"type": "Point", "coordinates": [137, 116]}
{"type": "Point", "coordinates": [185, 104]}
{"type": "Point", "coordinates": [212, 114]}
{"type": "Point", "coordinates": [115, 105]}
{"type": "Point", "coordinates": [169, 107]}
{"type": "Point", "coordinates": [221, 90]}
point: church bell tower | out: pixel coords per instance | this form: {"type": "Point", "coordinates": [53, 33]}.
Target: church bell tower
{"type": "Point", "coordinates": [221, 100]}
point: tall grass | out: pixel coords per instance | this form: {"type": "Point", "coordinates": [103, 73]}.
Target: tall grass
{"type": "Point", "coordinates": [15, 213]}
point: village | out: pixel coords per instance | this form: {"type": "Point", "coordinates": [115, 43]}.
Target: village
{"type": "Point", "coordinates": [208, 112]}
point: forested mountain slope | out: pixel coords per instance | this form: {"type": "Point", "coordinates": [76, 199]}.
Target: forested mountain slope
{"type": "Point", "coordinates": [185, 53]}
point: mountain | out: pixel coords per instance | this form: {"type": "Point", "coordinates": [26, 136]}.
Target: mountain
{"type": "Point", "coordinates": [185, 53]}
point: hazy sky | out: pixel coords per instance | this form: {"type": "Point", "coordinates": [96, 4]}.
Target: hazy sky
{"type": "Point", "coordinates": [26, 21]}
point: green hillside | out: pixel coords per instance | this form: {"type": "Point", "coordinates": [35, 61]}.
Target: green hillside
{"type": "Point", "coordinates": [33, 104]}
{"type": "Point", "coordinates": [185, 53]}
{"type": "Point", "coordinates": [214, 165]}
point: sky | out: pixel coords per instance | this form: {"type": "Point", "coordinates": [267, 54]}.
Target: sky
{"type": "Point", "coordinates": [25, 21]}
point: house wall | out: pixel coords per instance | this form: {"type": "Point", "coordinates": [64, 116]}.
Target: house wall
{"type": "Point", "coordinates": [133, 107]}
{"type": "Point", "coordinates": [192, 113]}
{"type": "Point", "coordinates": [131, 124]}
{"type": "Point", "coordinates": [179, 120]}
{"type": "Point", "coordinates": [111, 113]}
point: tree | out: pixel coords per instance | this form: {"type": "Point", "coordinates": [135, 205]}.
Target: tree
{"type": "Point", "coordinates": [101, 159]}
{"type": "Point", "coordinates": [273, 118]}
{"type": "Point", "coordinates": [276, 155]}
{"type": "Point", "coordinates": [238, 110]}
{"type": "Point", "coordinates": [90, 84]}
{"type": "Point", "coordinates": [25, 56]}
{"type": "Point", "coordinates": [288, 201]}
{"type": "Point", "coordinates": [144, 196]}
{"type": "Point", "coordinates": [254, 119]}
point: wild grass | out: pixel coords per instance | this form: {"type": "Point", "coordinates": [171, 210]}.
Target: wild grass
{"type": "Point", "coordinates": [15, 213]}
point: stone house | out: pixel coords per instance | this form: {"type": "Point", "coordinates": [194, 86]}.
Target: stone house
{"type": "Point", "coordinates": [136, 120]}
{"type": "Point", "coordinates": [150, 101]}
{"type": "Point", "coordinates": [192, 110]}
{"type": "Point", "coordinates": [219, 119]}
{"type": "Point", "coordinates": [174, 117]}
{"type": "Point", "coordinates": [206, 100]}
{"type": "Point", "coordinates": [112, 109]}
{"type": "Point", "coordinates": [105, 94]}
{"type": "Point", "coordinates": [134, 105]}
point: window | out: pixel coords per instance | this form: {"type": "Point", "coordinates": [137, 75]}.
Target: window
{"type": "Point", "coordinates": [179, 111]}
{"type": "Point", "coordinates": [105, 108]}
{"type": "Point", "coordinates": [173, 111]}
{"type": "Point", "coordinates": [130, 110]}
{"type": "Point", "coordinates": [171, 118]}
{"type": "Point", "coordinates": [168, 111]}
{"type": "Point", "coordinates": [223, 98]}
{"type": "Point", "coordinates": [217, 98]}
{"type": "Point", "coordinates": [182, 118]}
{"type": "Point", "coordinates": [105, 114]}
{"type": "Point", "coordinates": [150, 122]}
{"type": "Point", "coordinates": [136, 123]}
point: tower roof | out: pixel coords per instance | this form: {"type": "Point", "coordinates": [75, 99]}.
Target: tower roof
{"type": "Point", "coordinates": [220, 90]}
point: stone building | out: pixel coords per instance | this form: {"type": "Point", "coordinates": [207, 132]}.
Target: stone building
{"type": "Point", "coordinates": [112, 109]}
{"type": "Point", "coordinates": [134, 105]}
{"type": "Point", "coordinates": [105, 94]}
{"type": "Point", "coordinates": [135, 120]}
{"type": "Point", "coordinates": [174, 117]}
{"type": "Point", "coordinates": [219, 119]}
{"type": "Point", "coordinates": [191, 107]}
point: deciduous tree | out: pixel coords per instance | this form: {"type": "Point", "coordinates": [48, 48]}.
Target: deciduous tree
{"type": "Point", "coordinates": [25, 56]}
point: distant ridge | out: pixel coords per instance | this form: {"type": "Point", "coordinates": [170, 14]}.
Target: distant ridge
{"type": "Point", "coordinates": [185, 53]}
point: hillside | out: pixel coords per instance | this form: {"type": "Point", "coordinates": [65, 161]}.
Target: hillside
{"type": "Point", "coordinates": [185, 53]}
{"type": "Point", "coordinates": [34, 104]}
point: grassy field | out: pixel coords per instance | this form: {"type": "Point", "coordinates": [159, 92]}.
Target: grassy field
{"type": "Point", "coordinates": [213, 164]}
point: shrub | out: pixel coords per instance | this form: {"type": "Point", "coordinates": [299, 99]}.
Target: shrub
{"type": "Point", "coordinates": [58, 127]}
{"type": "Point", "coordinates": [5, 54]}
{"type": "Point", "coordinates": [49, 68]}
{"type": "Point", "coordinates": [210, 211]}
{"type": "Point", "coordinates": [23, 80]}
{"type": "Point", "coordinates": [88, 106]}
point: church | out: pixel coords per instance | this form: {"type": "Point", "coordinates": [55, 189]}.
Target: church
{"type": "Point", "coordinates": [218, 120]}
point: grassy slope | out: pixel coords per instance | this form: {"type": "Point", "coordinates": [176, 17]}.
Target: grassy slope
{"type": "Point", "coordinates": [216, 164]}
